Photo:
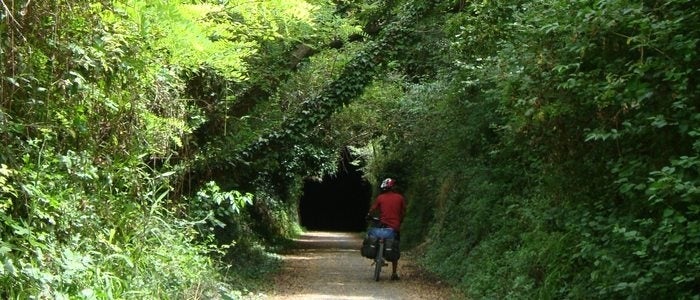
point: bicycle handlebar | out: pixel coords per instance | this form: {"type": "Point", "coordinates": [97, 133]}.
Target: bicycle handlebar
{"type": "Point", "coordinates": [374, 221]}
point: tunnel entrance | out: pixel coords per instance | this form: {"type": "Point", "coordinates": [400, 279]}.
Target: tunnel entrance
{"type": "Point", "coordinates": [338, 202]}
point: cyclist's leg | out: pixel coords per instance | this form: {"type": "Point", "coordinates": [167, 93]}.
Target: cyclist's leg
{"type": "Point", "coordinates": [394, 264]}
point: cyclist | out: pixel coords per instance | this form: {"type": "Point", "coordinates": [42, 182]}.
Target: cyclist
{"type": "Point", "coordinates": [391, 206]}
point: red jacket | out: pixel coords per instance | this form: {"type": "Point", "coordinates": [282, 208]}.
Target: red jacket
{"type": "Point", "coordinates": [392, 207]}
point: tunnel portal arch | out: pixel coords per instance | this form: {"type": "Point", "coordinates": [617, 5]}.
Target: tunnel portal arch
{"type": "Point", "coordinates": [336, 202]}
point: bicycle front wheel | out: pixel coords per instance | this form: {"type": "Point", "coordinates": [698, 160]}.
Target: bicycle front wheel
{"type": "Point", "coordinates": [379, 261]}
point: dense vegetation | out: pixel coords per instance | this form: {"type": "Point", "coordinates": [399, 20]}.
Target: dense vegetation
{"type": "Point", "coordinates": [116, 119]}
{"type": "Point", "coordinates": [155, 149]}
{"type": "Point", "coordinates": [551, 148]}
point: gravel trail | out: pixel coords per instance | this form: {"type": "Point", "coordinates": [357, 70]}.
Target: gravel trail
{"type": "Point", "coordinates": [328, 265]}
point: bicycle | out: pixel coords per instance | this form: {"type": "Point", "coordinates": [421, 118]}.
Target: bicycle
{"type": "Point", "coordinates": [379, 260]}
{"type": "Point", "coordinates": [381, 235]}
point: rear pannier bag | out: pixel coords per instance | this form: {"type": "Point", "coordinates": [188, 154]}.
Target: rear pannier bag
{"type": "Point", "coordinates": [369, 247]}
{"type": "Point", "coordinates": [391, 250]}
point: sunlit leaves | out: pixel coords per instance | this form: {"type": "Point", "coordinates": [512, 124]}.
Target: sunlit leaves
{"type": "Point", "coordinates": [7, 190]}
{"type": "Point", "coordinates": [217, 206]}
{"type": "Point", "coordinates": [191, 37]}
{"type": "Point", "coordinates": [91, 92]}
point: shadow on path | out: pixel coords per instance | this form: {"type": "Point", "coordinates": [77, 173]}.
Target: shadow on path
{"type": "Point", "coordinates": [328, 265]}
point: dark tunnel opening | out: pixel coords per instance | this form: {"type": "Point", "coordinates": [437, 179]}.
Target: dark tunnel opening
{"type": "Point", "coordinates": [339, 202]}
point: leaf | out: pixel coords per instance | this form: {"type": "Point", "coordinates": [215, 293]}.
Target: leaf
{"type": "Point", "coordinates": [4, 249]}
{"type": "Point", "coordinates": [675, 239]}
{"type": "Point", "coordinates": [12, 81]}
{"type": "Point", "coordinates": [658, 121]}
{"type": "Point", "coordinates": [166, 174]}
{"type": "Point", "coordinates": [121, 257]}
{"type": "Point", "coordinates": [88, 293]}
{"type": "Point", "coordinates": [668, 212]}
{"type": "Point", "coordinates": [9, 268]}
{"type": "Point", "coordinates": [19, 230]}
{"type": "Point", "coordinates": [5, 171]}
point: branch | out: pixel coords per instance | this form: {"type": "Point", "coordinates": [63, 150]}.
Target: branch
{"type": "Point", "coordinates": [9, 13]}
{"type": "Point", "coordinates": [357, 74]}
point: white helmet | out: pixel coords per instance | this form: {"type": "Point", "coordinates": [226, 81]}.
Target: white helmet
{"type": "Point", "coordinates": [387, 184]}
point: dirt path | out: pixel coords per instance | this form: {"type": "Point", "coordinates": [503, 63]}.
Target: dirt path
{"type": "Point", "coordinates": [328, 265]}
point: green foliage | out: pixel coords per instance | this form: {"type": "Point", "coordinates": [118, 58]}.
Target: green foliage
{"type": "Point", "coordinates": [74, 232]}
{"type": "Point", "coordinates": [548, 149]}
{"type": "Point", "coordinates": [97, 113]}
{"type": "Point", "coordinates": [553, 149]}
{"type": "Point", "coordinates": [214, 205]}
{"type": "Point", "coordinates": [351, 82]}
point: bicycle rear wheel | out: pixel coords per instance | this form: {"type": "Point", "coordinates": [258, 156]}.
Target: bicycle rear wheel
{"type": "Point", "coordinates": [379, 261]}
